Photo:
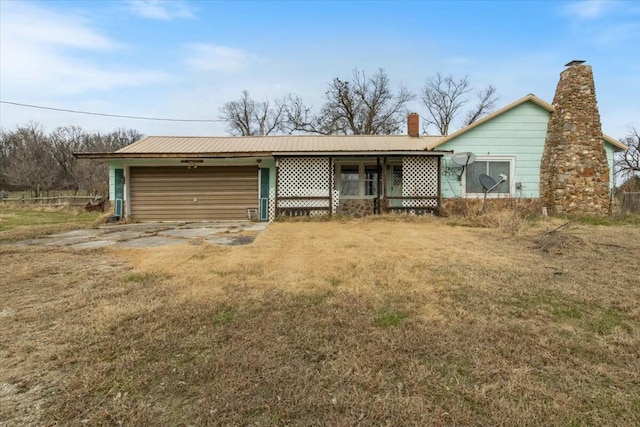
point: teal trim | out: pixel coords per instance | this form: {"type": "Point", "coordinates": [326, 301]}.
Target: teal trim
{"type": "Point", "coordinates": [118, 191]}
{"type": "Point", "coordinates": [264, 194]}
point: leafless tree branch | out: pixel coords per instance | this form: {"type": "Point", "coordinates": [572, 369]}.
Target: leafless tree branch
{"type": "Point", "coordinates": [486, 102]}
{"type": "Point", "coordinates": [247, 117]}
{"type": "Point", "coordinates": [628, 163]}
{"type": "Point", "coordinates": [446, 97]}
{"type": "Point", "coordinates": [360, 106]}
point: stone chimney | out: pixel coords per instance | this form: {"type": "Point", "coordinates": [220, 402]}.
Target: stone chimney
{"type": "Point", "coordinates": [574, 173]}
{"type": "Point", "coordinates": [413, 125]}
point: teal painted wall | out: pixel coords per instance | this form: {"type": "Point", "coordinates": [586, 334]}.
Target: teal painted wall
{"type": "Point", "coordinates": [519, 133]}
{"type": "Point", "coordinates": [113, 165]}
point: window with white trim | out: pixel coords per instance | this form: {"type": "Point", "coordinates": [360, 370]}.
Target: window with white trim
{"type": "Point", "coordinates": [358, 180]}
{"type": "Point", "coordinates": [349, 180]}
{"type": "Point", "coordinates": [492, 167]}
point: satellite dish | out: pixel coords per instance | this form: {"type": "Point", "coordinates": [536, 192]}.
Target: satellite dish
{"type": "Point", "coordinates": [463, 159]}
{"type": "Point", "coordinates": [489, 184]}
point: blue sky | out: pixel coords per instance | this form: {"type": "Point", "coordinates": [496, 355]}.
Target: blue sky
{"type": "Point", "coordinates": [181, 59]}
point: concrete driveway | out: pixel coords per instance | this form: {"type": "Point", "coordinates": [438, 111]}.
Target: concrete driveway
{"type": "Point", "coordinates": [146, 235]}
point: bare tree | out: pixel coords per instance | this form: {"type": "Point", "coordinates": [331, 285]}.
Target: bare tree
{"type": "Point", "coordinates": [247, 117]}
{"type": "Point", "coordinates": [485, 103]}
{"type": "Point", "coordinates": [361, 106]}
{"type": "Point", "coordinates": [42, 162]}
{"type": "Point", "coordinates": [27, 159]}
{"type": "Point", "coordinates": [629, 161]}
{"type": "Point", "coordinates": [64, 142]}
{"type": "Point", "coordinates": [445, 98]}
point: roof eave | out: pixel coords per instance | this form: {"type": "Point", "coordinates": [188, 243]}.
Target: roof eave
{"type": "Point", "coordinates": [117, 155]}
{"type": "Point", "coordinates": [361, 153]}
{"type": "Point", "coordinates": [616, 144]}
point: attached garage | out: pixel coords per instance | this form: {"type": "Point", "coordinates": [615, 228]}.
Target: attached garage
{"type": "Point", "coordinates": [204, 193]}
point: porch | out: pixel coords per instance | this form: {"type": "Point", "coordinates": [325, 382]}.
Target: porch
{"type": "Point", "coordinates": [357, 184]}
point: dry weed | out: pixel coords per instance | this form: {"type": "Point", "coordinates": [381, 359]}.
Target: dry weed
{"type": "Point", "coordinates": [370, 322]}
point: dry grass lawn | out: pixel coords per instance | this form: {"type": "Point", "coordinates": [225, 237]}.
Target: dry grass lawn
{"type": "Point", "coordinates": [360, 322]}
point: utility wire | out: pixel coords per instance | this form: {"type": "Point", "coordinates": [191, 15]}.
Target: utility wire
{"type": "Point", "coordinates": [111, 115]}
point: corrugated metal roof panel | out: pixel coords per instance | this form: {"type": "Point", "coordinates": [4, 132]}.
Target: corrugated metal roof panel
{"type": "Point", "coordinates": [281, 144]}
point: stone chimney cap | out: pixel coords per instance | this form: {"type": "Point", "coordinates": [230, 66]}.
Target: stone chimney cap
{"type": "Point", "coordinates": [574, 62]}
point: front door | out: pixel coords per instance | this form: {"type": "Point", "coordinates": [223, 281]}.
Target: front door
{"type": "Point", "coordinates": [264, 194]}
{"type": "Point", "coordinates": [395, 185]}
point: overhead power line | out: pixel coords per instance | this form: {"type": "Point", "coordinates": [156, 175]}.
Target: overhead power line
{"type": "Point", "coordinates": [122, 116]}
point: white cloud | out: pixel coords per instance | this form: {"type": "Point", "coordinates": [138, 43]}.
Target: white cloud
{"type": "Point", "coordinates": [49, 53]}
{"type": "Point", "coordinates": [589, 9]}
{"type": "Point", "coordinates": [210, 57]}
{"type": "Point", "coordinates": [161, 10]}
{"type": "Point", "coordinates": [32, 24]}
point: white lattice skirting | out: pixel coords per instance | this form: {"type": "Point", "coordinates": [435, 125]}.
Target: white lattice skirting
{"type": "Point", "coordinates": [420, 179]}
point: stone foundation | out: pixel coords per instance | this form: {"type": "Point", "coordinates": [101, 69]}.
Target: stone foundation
{"type": "Point", "coordinates": [574, 173]}
{"type": "Point", "coordinates": [356, 207]}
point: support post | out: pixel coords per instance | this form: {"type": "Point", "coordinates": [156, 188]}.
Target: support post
{"type": "Point", "coordinates": [277, 209]}
{"type": "Point", "coordinates": [331, 180]}
{"type": "Point", "coordinates": [376, 206]}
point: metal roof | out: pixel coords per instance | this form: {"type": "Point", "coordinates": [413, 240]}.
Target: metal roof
{"type": "Point", "coordinates": [280, 144]}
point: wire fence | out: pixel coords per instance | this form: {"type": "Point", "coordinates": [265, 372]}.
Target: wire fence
{"type": "Point", "coordinates": [56, 201]}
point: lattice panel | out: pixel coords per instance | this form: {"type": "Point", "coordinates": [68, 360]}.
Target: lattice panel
{"type": "Point", "coordinates": [272, 204]}
{"type": "Point", "coordinates": [304, 177]}
{"type": "Point", "coordinates": [304, 203]}
{"type": "Point", "coordinates": [420, 179]}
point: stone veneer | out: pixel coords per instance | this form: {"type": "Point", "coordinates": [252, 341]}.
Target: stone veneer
{"type": "Point", "coordinates": [356, 207]}
{"type": "Point", "coordinates": [574, 173]}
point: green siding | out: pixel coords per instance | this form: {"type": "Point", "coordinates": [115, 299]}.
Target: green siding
{"type": "Point", "coordinates": [519, 132]}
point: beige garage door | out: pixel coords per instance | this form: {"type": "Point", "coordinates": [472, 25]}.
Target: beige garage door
{"type": "Point", "coordinates": [200, 194]}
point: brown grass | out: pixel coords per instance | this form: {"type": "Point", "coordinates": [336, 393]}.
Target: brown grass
{"type": "Point", "coordinates": [352, 322]}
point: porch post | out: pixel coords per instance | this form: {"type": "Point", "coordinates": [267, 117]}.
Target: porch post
{"type": "Point", "coordinates": [376, 206]}
{"type": "Point", "coordinates": [384, 184]}
{"type": "Point", "coordinates": [439, 184]}
{"type": "Point", "coordinates": [331, 180]}
{"type": "Point", "coordinates": [277, 179]}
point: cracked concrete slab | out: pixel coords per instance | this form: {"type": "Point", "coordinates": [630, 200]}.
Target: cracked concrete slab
{"type": "Point", "coordinates": [145, 235]}
{"type": "Point", "coordinates": [93, 244]}
{"type": "Point", "coordinates": [186, 233]}
{"type": "Point", "coordinates": [151, 242]}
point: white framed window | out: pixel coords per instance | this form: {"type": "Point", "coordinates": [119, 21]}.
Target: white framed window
{"type": "Point", "coordinates": [357, 180]}
{"type": "Point", "coordinates": [349, 180]}
{"type": "Point", "coordinates": [492, 166]}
